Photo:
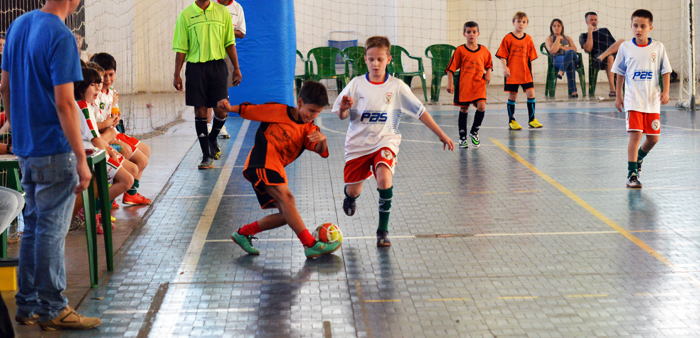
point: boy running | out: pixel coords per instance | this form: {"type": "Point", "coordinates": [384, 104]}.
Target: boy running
{"type": "Point", "coordinates": [474, 62]}
{"type": "Point", "coordinates": [375, 103]}
{"type": "Point", "coordinates": [285, 132]}
{"type": "Point", "coordinates": [517, 51]}
{"type": "Point", "coordinates": [638, 65]}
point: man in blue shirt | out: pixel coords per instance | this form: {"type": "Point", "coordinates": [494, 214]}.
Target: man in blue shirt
{"type": "Point", "coordinates": [40, 63]}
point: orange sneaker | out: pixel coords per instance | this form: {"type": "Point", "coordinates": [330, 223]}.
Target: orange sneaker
{"type": "Point", "coordinates": [115, 205]}
{"type": "Point", "coordinates": [136, 199]}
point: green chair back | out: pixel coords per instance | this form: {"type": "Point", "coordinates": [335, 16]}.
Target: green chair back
{"type": "Point", "coordinates": [395, 67]}
{"type": "Point", "coordinates": [325, 65]}
{"type": "Point", "coordinates": [356, 56]}
{"type": "Point", "coordinates": [439, 56]}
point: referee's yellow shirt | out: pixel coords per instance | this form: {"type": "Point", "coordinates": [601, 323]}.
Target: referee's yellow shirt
{"type": "Point", "coordinates": [203, 35]}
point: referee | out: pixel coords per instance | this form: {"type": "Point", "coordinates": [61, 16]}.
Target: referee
{"type": "Point", "coordinates": [203, 37]}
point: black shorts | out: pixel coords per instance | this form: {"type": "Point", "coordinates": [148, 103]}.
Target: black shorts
{"type": "Point", "coordinates": [513, 88]}
{"type": "Point", "coordinates": [259, 177]}
{"type": "Point", "coordinates": [205, 83]}
{"type": "Point", "coordinates": [601, 65]}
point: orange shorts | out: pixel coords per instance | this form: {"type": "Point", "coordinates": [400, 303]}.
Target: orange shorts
{"type": "Point", "coordinates": [130, 141]}
{"type": "Point", "coordinates": [647, 123]}
{"type": "Point", "coordinates": [259, 178]}
{"type": "Point", "coordinates": [361, 168]}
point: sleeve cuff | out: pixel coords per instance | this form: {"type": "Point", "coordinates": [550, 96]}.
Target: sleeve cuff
{"type": "Point", "coordinates": [325, 153]}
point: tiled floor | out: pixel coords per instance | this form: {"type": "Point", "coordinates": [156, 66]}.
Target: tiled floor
{"type": "Point", "coordinates": [532, 234]}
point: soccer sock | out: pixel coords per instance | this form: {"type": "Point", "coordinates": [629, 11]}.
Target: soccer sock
{"type": "Point", "coordinates": [249, 229]}
{"type": "Point", "coordinates": [531, 108]}
{"type": "Point", "coordinates": [641, 154]}
{"type": "Point", "coordinates": [385, 196]}
{"type": "Point", "coordinates": [97, 206]}
{"type": "Point", "coordinates": [511, 110]}
{"type": "Point", "coordinates": [200, 125]}
{"type": "Point", "coordinates": [132, 190]}
{"type": "Point", "coordinates": [306, 238]}
{"type": "Point", "coordinates": [631, 168]}
{"type": "Point", "coordinates": [462, 124]}
{"type": "Point", "coordinates": [478, 118]}
{"type": "Point", "coordinates": [348, 196]}
{"type": "Point", "coordinates": [216, 126]}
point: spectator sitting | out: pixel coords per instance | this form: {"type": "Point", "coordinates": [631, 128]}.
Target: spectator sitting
{"type": "Point", "coordinates": [563, 53]}
{"type": "Point", "coordinates": [602, 47]}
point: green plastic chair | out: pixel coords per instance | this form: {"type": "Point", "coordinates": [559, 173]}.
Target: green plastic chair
{"type": "Point", "coordinates": [551, 86]}
{"type": "Point", "coordinates": [395, 68]}
{"type": "Point", "coordinates": [300, 79]}
{"type": "Point", "coordinates": [440, 56]}
{"type": "Point", "coordinates": [355, 56]}
{"type": "Point", "coordinates": [325, 66]}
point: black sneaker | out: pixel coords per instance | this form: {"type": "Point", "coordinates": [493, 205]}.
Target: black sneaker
{"type": "Point", "coordinates": [383, 238]}
{"type": "Point", "coordinates": [463, 143]}
{"type": "Point", "coordinates": [207, 163]}
{"type": "Point", "coordinates": [639, 167]}
{"type": "Point", "coordinates": [214, 149]}
{"type": "Point", "coordinates": [349, 206]}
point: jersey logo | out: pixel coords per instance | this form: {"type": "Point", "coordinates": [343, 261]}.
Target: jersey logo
{"type": "Point", "coordinates": [388, 96]}
{"type": "Point", "coordinates": [373, 117]}
{"type": "Point", "coordinates": [386, 153]}
{"type": "Point", "coordinates": [642, 75]}
{"type": "Point", "coordinates": [653, 56]}
{"type": "Point", "coordinates": [102, 105]}
{"type": "Point", "coordinates": [655, 124]}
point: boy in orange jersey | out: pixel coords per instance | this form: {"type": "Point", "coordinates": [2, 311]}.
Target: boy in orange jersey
{"type": "Point", "coordinates": [474, 62]}
{"type": "Point", "coordinates": [284, 133]}
{"type": "Point", "coordinates": [517, 51]}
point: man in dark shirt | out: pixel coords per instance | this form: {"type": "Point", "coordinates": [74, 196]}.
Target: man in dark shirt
{"type": "Point", "coordinates": [601, 46]}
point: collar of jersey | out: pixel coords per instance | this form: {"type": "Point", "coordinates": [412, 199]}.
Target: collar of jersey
{"type": "Point", "coordinates": [634, 41]}
{"type": "Point", "coordinates": [517, 38]}
{"type": "Point", "coordinates": [377, 83]}
{"type": "Point", "coordinates": [478, 46]}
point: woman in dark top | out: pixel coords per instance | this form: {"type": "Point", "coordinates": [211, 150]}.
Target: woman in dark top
{"type": "Point", "coordinates": [563, 53]}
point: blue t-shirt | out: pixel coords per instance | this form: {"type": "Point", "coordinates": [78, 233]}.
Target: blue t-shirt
{"type": "Point", "coordinates": [40, 53]}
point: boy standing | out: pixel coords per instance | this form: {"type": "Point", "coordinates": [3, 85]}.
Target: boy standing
{"type": "Point", "coordinates": [517, 51]}
{"type": "Point", "coordinates": [638, 65]}
{"type": "Point", "coordinates": [375, 103]}
{"type": "Point", "coordinates": [285, 132]}
{"type": "Point", "coordinates": [474, 62]}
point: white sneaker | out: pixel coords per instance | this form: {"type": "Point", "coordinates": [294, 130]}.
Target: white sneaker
{"type": "Point", "coordinates": [633, 182]}
{"type": "Point", "coordinates": [223, 133]}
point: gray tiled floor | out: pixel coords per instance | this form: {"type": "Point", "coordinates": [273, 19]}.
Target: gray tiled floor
{"type": "Point", "coordinates": [523, 255]}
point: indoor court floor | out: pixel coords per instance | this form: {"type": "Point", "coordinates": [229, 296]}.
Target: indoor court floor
{"type": "Point", "coordinates": [533, 234]}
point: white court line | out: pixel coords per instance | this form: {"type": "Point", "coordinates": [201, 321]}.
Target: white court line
{"type": "Point", "coordinates": [176, 296]}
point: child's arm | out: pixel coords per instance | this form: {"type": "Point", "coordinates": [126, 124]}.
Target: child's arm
{"type": "Point", "coordinates": [506, 71]}
{"type": "Point", "coordinates": [225, 105]}
{"type": "Point", "coordinates": [667, 82]}
{"type": "Point", "coordinates": [450, 82]}
{"type": "Point", "coordinates": [619, 98]}
{"type": "Point", "coordinates": [487, 77]}
{"type": "Point", "coordinates": [102, 144]}
{"type": "Point", "coordinates": [321, 147]}
{"type": "Point", "coordinates": [345, 105]}
{"type": "Point", "coordinates": [110, 121]}
{"type": "Point", "coordinates": [430, 123]}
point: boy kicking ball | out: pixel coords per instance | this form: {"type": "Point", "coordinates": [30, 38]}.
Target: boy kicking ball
{"type": "Point", "coordinates": [375, 103]}
{"type": "Point", "coordinates": [284, 133]}
{"type": "Point", "coordinates": [638, 64]}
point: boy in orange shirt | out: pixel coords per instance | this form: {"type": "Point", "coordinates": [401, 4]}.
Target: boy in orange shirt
{"type": "Point", "coordinates": [474, 62]}
{"type": "Point", "coordinates": [517, 51]}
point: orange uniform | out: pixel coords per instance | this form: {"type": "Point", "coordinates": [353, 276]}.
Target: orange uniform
{"type": "Point", "coordinates": [519, 53]}
{"type": "Point", "coordinates": [472, 64]}
{"type": "Point", "coordinates": [279, 141]}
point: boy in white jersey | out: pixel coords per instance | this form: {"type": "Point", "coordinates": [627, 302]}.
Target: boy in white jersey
{"type": "Point", "coordinates": [639, 62]}
{"type": "Point", "coordinates": [375, 103]}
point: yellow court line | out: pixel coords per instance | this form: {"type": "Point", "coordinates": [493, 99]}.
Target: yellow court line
{"type": "Point", "coordinates": [481, 192]}
{"type": "Point", "coordinates": [661, 258]}
{"type": "Point", "coordinates": [518, 298]}
{"type": "Point", "coordinates": [447, 299]}
{"type": "Point", "coordinates": [586, 296]}
{"type": "Point", "coordinates": [438, 193]}
{"type": "Point", "coordinates": [383, 301]}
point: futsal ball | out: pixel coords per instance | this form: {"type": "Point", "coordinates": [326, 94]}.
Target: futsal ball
{"type": "Point", "coordinates": [328, 233]}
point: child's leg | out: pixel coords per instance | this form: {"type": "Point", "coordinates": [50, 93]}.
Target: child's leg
{"type": "Point", "coordinates": [635, 139]}
{"type": "Point", "coordinates": [644, 150]}
{"type": "Point", "coordinates": [530, 93]}
{"type": "Point", "coordinates": [462, 121]}
{"type": "Point", "coordinates": [478, 117]}
{"type": "Point", "coordinates": [123, 180]}
{"type": "Point", "coordinates": [512, 96]}
{"type": "Point", "coordinates": [125, 149]}
{"type": "Point", "coordinates": [385, 189]}
{"type": "Point", "coordinates": [146, 150]}
{"type": "Point", "coordinates": [287, 207]}
{"type": "Point", "coordinates": [141, 162]}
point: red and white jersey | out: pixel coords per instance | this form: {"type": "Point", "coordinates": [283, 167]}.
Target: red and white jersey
{"type": "Point", "coordinates": [237, 16]}
{"type": "Point", "coordinates": [642, 67]}
{"type": "Point", "coordinates": [376, 113]}
{"type": "Point", "coordinates": [105, 101]}
{"type": "Point", "coordinates": [88, 125]}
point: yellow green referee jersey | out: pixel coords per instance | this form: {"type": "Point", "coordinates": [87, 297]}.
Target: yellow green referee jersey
{"type": "Point", "coordinates": [203, 35]}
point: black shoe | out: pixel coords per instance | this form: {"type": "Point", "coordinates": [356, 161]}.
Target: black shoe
{"type": "Point", "coordinates": [214, 149]}
{"type": "Point", "coordinates": [383, 238]}
{"type": "Point", "coordinates": [207, 163]}
{"type": "Point", "coordinates": [349, 206]}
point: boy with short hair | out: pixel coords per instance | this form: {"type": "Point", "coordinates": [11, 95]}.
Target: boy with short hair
{"type": "Point", "coordinates": [638, 64]}
{"type": "Point", "coordinates": [517, 51]}
{"type": "Point", "coordinates": [284, 133]}
{"type": "Point", "coordinates": [474, 62]}
{"type": "Point", "coordinates": [109, 118]}
{"type": "Point", "coordinates": [375, 103]}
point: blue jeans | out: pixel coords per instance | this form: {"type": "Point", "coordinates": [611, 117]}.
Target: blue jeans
{"type": "Point", "coordinates": [567, 64]}
{"type": "Point", "coordinates": [48, 183]}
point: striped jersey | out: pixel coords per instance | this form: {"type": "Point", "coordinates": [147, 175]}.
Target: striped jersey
{"type": "Point", "coordinates": [642, 67]}
{"type": "Point", "coordinates": [376, 114]}
{"type": "Point", "coordinates": [88, 125]}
